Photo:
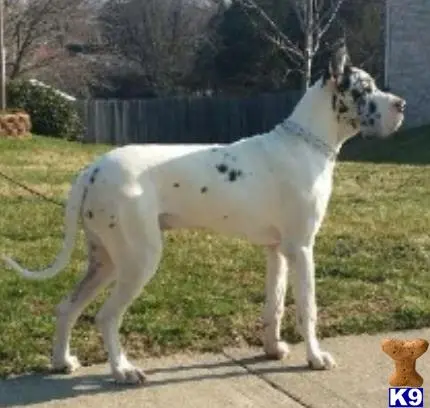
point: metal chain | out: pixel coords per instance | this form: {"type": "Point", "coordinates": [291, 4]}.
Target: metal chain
{"type": "Point", "coordinates": [30, 190]}
{"type": "Point", "coordinates": [310, 138]}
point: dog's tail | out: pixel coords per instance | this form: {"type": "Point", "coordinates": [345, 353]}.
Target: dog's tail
{"type": "Point", "coordinates": [73, 209]}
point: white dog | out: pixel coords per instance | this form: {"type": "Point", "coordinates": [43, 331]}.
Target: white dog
{"type": "Point", "coordinates": [271, 189]}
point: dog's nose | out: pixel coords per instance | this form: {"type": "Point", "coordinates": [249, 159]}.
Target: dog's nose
{"type": "Point", "coordinates": [400, 105]}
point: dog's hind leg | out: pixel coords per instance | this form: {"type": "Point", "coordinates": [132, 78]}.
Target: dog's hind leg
{"type": "Point", "coordinates": [136, 243]}
{"type": "Point", "coordinates": [100, 273]}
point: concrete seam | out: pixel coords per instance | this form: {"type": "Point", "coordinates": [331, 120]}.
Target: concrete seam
{"type": "Point", "coordinates": [266, 380]}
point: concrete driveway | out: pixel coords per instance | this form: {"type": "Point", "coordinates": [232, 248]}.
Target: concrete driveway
{"type": "Point", "coordinates": [236, 378]}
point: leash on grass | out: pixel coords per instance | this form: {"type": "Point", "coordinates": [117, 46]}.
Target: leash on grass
{"type": "Point", "coordinates": [30, 190]}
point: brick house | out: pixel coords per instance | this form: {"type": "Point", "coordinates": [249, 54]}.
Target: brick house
{"type": "Point", "coordinates": [407, 56]}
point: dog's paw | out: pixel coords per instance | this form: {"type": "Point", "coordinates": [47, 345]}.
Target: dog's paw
{"type": "Point", "coordinates": [129, 375]}
{"type": "Point", "coordinates": [277, 350]}
{"type": "Point", "coordinates": [322, 361]}
{"type": "Point", "coordinates": [66, 365]}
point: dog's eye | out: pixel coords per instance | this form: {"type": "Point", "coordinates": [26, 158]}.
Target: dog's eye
{"type": "Point", "coordinates": [368, 89]}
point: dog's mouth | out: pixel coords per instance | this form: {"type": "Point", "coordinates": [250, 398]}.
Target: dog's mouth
{"type": "Point", "coordinates": [395, 126]}
{"type": "Point", "coordinates": [368, 132]}
{"type": "Point", "coordinates": [399, 122]}
{"type": "Point", "coordinates": [381, 130]}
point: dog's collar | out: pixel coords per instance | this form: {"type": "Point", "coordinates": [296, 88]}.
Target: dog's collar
{"type": "Point", "coordinates": [310, 138]}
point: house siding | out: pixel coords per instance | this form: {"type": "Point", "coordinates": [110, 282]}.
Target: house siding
{"type": "Point", "coordinates": [407, 62]}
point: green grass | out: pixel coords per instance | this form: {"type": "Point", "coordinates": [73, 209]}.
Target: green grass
{"type": "Point", "coordinates": [372, 261]}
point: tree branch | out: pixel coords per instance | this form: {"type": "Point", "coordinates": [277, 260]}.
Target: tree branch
{"type": "Point", "coordinates": [332, 13]}
{"type": "Point", "coordinates": [283, 42]}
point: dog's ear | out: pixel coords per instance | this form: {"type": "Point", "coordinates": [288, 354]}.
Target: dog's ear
{"type": "Point", "coordinates": [338, 62]}
{"type": "Point", "coordinates": [339, 59]}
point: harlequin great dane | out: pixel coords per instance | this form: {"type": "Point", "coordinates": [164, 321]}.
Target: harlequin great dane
{"type": "Point", "coordinates": [272, 189]}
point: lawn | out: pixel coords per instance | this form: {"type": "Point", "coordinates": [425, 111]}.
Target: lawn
{"type": "Point", "coordinates": [372, 261]}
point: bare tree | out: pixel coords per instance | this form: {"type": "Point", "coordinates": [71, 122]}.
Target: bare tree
{"type": "Point", "coordinates": [315, 17]}
{"type": "Point", "coordinates": [158, 37]}
{"type": "Point", "coordinates": [36, 32]}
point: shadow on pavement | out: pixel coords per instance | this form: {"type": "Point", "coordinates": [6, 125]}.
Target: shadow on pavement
{"type": "Point", "coordinates": [38, 388]}
{"type": "Point", "coordinates": [42, 388]}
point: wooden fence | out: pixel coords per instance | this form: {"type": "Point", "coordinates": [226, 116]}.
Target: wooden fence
{"type": "Point", "coordinates": [183, 119]}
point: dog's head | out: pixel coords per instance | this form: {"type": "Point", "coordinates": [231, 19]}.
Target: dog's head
{"type": "Point", "coordinates": [356, 100]}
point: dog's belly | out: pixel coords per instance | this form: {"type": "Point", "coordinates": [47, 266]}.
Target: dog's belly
{"type": "Point", "coordinates": [258, 235]}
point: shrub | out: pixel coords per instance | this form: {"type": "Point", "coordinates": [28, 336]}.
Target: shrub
{"type": "Point", "coordinates": [51, 114]}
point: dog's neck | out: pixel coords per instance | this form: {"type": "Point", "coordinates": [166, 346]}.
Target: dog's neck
{"type": "Point", "coordinates": [315, 113]}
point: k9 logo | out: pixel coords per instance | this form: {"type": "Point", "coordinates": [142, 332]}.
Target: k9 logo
{"type": "Point", "coordinates": [406, 397]}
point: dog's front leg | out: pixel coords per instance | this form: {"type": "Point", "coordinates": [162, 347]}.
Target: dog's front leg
{"type": "Point", "coordinates": [276, 285]}
{"type": "Point", "coordinates": [301, 260]}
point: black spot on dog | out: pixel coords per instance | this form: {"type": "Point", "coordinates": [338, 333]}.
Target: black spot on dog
{"type": "Point", "coordinates": [234, 174]}
{"type": "Point", "coordinates": [225, 217]}
{"type": "Point", "coordinates": [342, 107]}
{"type": "Point", "coordinates": [90, 214]}
{"type": "Point", "coordinates": [334, 101]}
{"type": "Point", "coordinates": [203, 189]}
{"type": "Point", "coordinates": [214, 149]}
{"type": "Point", "coordinates": [93, 175]}
{"type": "Point", "coordinates": [112, 225]}
{"type": "Point", "coordinates": [372, 107]}
{"type": "Point", "coordinates": [371, 121]}
{"type": "Point", "coordinates": [176, 185]}
{"type": "Point", "coordinates": [222, 168]}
